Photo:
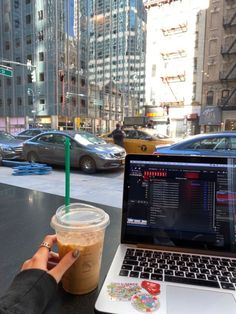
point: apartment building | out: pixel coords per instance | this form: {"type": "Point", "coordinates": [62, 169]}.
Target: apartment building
{"type": "Point", "coordinates": [219, 74]}
{"type": "Point", "coordinates": [174, 64]}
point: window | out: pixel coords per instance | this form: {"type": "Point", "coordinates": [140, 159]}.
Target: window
{"type": "Point", "coordinates": [16, 4]}
{"type": "Point", "coordinates": [8, 81]}
{"type": "Point", "coordinates": [29, 78]}
{"type": "Point", "coordinates": [42, 101]}
{"type": "Point", "coordinates": [209, 99]}
{"type": "Point", "coordinates": [209, 143]}
{"type": "Point", "coordinates": [41, 56]}
{"type": "Point", "coordinates": [27, 1]}
{"type": "Point", "coordinates": [28, 39]}
{"type": "Point", "coordinates": [40, 35]}
{"type": "Point", "coordinates": [225, 93]}
{"type": "Point", "coordinates": [17, 42]}
{"type": "Point", "coordinates": [18, 80]}
{"type": "Point", "coordinates": [17, 23]}
{"type": "Point", "coordinates": [28, 19]}
{"type": "Point", "coordinates": [41, 77]}
{"type": "Point", "coordinates": [7, 45]}
{"type": "Point", "coordinates": [40, 15]}
{"type": "Point", "coordinates": [19, 101]}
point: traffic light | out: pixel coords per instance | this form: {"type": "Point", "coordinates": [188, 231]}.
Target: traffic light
{"type": "Point", "coordinates": [33, 76]}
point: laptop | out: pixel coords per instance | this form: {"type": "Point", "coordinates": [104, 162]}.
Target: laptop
{"type": "Point", "coordinates": [178, 238]}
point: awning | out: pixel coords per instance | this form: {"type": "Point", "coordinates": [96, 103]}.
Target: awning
{"type": "Point", "coordinates": [210, 115]}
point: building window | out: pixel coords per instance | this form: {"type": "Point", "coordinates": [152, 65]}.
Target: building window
{"type": "Point", "coordinates": [41, 77]}
{"type": "Point", "coordinates": [40, 15]}
{"type": "Point", "coordinates": [18, 80]}
{"type": "Point", "coordinates": [42, 101]}
{"type": "Point", "coordinates": [153, 70]}
{"type": "Point", "coordinates": [9, 101]}
{"type": "Point", "coordinates": [28, 19]}
{"type": "Point", "coordinates": [209, 99]}
{"type": "Point", "coordinates": [29, 58]}
{"type": "Point", "coordinates": [16, 4]}
{"type": "Point", "coordinates": [7, 45]}
{"type": "Point", "coordinates": [17, 42]}
{"type": "Point", "coordinates": [8, 81]}
{"type": "Point", "coordinates": [29, 78]}
{"type": "Point", "coordinates": [27, 1]}
{"type": "Point", "coordinates": [6, 27]}
{"type": "Point", "coordinates": [41, 56]}
{"type": "Point", "coordinates": [17, 23]}
{"type": "Point", "coordinates": [225, 93]}
{"type": "Point", "coordinates": [40, 35]}
{"type": "Point", "coordinates": [19, 101]}
{"type": "Point", "coordinates": [28, 39]}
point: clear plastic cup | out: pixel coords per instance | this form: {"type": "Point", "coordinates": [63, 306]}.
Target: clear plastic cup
{"type": "Point", "coordinates": [81, 226]}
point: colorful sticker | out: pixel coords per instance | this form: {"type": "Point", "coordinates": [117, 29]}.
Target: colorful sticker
{"type": "Point", "coordinates": [144, 302]}
{"type": "Point", "coordinates": [151, 287]}
{"type": "Point", "coordinates": [122, 291]}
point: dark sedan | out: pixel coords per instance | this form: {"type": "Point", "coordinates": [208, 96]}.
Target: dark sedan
{"type": "Point", "coordinates": [88, 152]}
{"type": "Point", "coordinates": [10, 147]}
{"type": "Point", "coordinates": [210, 144]}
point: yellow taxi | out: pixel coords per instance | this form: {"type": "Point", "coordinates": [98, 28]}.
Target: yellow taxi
{"type": "Point", "coordinates": [141, 140]}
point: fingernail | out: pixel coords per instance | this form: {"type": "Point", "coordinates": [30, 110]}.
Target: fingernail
{"type": "Point", "coordinates": [75, 253]}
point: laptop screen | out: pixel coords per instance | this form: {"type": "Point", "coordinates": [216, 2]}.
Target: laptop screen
{"type": "Point", "coordinates": [180, 201]}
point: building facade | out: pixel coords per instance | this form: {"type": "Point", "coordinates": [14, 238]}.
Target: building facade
{"type": "Point", "coordinates": [76, 64]}
{"type": "Point", "coordinates": [175, 50]}
{"type": "Point", "coordinates": [219, 75]}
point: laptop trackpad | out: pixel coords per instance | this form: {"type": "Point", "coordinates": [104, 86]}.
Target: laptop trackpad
{"type": "Point", "coordinates": [181, 300]}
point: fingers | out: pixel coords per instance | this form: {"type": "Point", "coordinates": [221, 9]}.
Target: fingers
{"type": "Point", "coordinates": [40, 259]}
{"type": "Point", "coordinates": [58, 271]}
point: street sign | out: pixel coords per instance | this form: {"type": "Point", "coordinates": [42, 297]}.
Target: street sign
{"type": "Point", "coordinates": [6, 72]}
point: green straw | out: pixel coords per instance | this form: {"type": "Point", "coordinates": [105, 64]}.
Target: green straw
{"type": "Point", "coordinates": [67, 153]}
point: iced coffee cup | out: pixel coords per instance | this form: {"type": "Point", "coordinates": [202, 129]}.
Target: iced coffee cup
{"type": "Point", "coordinates": [81, 226]}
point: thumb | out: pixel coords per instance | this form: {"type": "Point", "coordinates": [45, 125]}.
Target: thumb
{"type": "Point", "coordinates": [65, 263]}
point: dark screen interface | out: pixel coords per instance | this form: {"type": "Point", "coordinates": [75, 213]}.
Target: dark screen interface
{"type": "Point", "coordinates": [179, 204]}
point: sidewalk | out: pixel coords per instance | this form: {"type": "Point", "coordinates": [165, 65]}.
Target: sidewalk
{"type": "Point", "coordinates": [103, 188]}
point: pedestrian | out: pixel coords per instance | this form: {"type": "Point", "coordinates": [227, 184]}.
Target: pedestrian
{"type": "Point", "coordinates": [36, 283]}
{"type": "Point", "coordinates": [118, 135]}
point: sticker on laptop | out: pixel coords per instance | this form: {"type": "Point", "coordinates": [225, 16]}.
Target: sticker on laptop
{"type": "Point", "coordinates": [122, 291]}
{"type": "Point", "coordinates": [151, 287]}
{"type": "Point", "coordinates": [144, 302]}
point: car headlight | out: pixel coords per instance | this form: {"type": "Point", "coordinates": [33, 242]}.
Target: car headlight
{"type": "Point", "coordinates": [6, 149]}
{"type": "Point", "coordinates": [105, 155]}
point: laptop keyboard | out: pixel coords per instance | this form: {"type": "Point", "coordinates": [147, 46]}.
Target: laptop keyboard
{"type": "Point", "coordinates": [180, 268]}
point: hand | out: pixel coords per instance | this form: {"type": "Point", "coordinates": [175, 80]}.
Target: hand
{"type": "Point", "coordinates": [49, 261]}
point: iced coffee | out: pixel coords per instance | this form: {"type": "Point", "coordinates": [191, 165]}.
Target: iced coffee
{"type": "Point", "coordinates": [81, 227]}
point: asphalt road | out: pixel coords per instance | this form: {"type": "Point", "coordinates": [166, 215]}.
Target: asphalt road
{"type": "Point", "coordinates": [103, 187]}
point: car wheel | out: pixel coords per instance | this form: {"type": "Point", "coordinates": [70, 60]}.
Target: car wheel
{"type": "Point", "coordinates": [87, 164]}
{"type": "Point", "coordinates": [32, 157]}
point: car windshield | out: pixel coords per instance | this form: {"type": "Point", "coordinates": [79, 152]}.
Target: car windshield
{"type": "Point", "coordinates": [88, 139]}
{"type": "Point", "coordinates": [6, 136]}
{"type": "Point", "coordinates": [154, 133]}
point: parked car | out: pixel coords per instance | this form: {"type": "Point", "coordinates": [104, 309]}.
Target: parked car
{"type": "Point", "coordinates": [10, 147]}
{"type": "Point", "coordinates": [141, 140]}
{"type": "Point", "coordinates": [29, 133]}
{"type": "Point", "coordinates": [210, 144]}
{"type": "Point", "coordinates": [88, 152]}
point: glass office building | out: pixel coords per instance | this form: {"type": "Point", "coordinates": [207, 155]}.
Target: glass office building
{"type": "Point", "coordinates": [76, 64]}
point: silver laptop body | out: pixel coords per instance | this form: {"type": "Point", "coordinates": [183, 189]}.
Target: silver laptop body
{"type": "Point", "coordinates": [178, 238]}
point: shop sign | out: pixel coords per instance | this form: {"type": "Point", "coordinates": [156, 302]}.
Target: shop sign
{"type": "Point", "coordinates": [210, 116]}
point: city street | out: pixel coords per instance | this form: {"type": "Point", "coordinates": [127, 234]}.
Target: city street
{"type": "Point", "coordinates": [103, 187]}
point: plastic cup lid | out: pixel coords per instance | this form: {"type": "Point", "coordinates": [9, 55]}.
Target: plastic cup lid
{"type": "Point", "coordinates": [79, 217]}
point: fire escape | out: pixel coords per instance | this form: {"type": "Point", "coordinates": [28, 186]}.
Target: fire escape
{"type": "Point", "coordinates": [228, 74]}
